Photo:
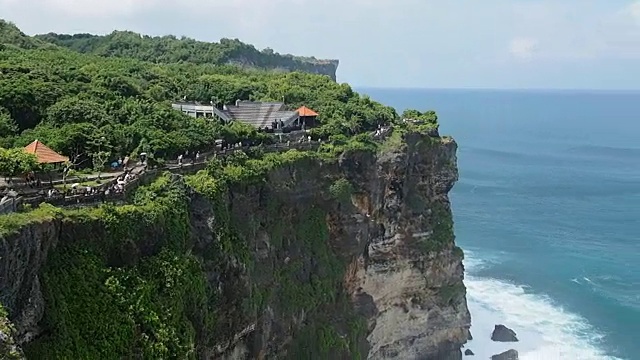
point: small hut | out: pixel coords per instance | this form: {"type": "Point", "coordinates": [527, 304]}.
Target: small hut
{"type": "Point", "coordinates": [44, 154]}
{"type": "Point", "coordinates": [307, 117]}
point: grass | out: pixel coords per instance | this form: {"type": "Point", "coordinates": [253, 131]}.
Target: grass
{"type": "Point", "coordinates": [12, 223]}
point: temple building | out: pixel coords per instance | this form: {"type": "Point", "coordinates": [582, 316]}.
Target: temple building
{"type": "Point", "coordinates": [307, 117]}
{"type": "Point", "coordinates": [269, 116]}
{"type": "Point", "coordinates": [44, 154]}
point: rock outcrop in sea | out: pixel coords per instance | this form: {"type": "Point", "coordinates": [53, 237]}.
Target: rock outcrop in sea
{"type": "Point", "coordinates": [507, 355]}
{"type": "Point", "coordinates": [502, 333]}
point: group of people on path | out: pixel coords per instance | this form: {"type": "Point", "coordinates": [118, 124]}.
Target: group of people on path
{"type": "Point", "coordinates": [195, 158]}
{"type": "Point", "coordinates": [114, 187]}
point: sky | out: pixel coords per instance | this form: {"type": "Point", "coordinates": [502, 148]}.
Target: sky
{"type": "Point", "coordinates": [522, 44]}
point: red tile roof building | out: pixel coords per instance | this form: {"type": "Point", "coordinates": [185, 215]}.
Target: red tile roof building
{"type": "Point", "coordinates": [305, 111]}
{"type": "Point", "coordinates": [44, 154]}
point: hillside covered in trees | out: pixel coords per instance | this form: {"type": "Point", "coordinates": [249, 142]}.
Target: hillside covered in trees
{"type": "Point", "coordinates": [170, 49]}
{"type": "Point", "coordinates": [77, 102]}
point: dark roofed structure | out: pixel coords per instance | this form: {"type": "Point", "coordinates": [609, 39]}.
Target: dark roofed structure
{"type": "Point", "coordinates": [259, 114]}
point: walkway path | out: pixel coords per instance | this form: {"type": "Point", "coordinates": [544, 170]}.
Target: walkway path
{"type": "Point", "coordinates": [143, 176]}
{"type": "Point", "coordinates": [140, 176]}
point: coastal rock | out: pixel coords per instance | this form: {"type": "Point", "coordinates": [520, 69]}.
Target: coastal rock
{"type": "Point", "coordinates": [507, 355]}
{"type": "Point", "coordinates": [468, 352]}
{"type": "Point", "coordinates": [502, 333]}
{"type": "Point", "coordinates": [470, 337]}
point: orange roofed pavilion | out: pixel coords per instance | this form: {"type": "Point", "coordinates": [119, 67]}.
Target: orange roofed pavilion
{"type": "Point", "coordinates": [305, 111]}
{"type": "Point", "coordinates": [44, 154]}
{"type": "Point", "coordinates": [307, 117]}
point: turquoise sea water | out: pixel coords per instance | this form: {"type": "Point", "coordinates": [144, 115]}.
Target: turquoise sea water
{"type": "Point", "coordinates": [547, 210]}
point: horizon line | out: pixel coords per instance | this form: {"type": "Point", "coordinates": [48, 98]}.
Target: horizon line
{"type": "Point", "coordinates": [496, 89]}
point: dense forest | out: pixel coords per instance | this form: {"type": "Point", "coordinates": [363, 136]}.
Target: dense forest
{"type": "Point", "coordinates": [78, 103]}
{"type": "Point", "coordinates": [169, 49]}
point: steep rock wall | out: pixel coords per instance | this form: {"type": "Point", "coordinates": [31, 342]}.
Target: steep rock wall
{"type": "Point", "coordinates": [347, 259]}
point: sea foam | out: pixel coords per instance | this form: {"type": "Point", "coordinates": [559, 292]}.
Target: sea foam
{"type": "Point", "coordinates": [545, 330]}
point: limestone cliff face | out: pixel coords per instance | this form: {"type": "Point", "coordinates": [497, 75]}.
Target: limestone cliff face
{"type": "Point", "coordinates": [290, 64]}
{"type": "Point", "coordinates": [412, 269]}
{"type": "Point", "coordinates": [399, 270]}
{"type": "Point", "coordinates": [351, 259]}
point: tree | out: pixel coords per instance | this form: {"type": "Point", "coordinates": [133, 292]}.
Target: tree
{"type": "Point", "coordinates": [8, 126]}
{"type": "Point", "coordinates": [67, 166]}
{"type": "Point", "coordinates": [100, 154]}
{"type": "Point", "coordinates": [429, 116]}
{"type": "Point", "coordinates": [64, 98]}
{"type": "Point", "coordinates": [16, 161]}
{"type": "Point", "coordinates": [72, 110]}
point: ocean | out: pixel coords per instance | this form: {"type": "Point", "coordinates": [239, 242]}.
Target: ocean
{"type": "Point", "coordinates": [547, 210]}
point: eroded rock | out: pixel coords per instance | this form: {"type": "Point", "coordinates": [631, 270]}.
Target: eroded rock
{"type": "Point", "coordinates": [502, 333]}
{"type": "Point", "coordinates": [507, 355]}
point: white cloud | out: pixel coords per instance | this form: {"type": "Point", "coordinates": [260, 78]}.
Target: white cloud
{"type": "Point", "coordinates": [634, 11]}
{"type": "Point", "coordinates": [523, 48]}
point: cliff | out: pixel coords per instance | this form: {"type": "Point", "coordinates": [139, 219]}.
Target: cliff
{"type": "Point", "coordinates": [169, 49]}
{"type": "Point", "coordinates": [292, 255]}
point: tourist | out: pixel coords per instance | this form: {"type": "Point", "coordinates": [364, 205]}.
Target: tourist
{"type": "Point", "coordinates": [180, 159]}
{"type": "Point", "coordinates": [198, 156]}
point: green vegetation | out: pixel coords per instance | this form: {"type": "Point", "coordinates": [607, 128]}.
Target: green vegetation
{"type": "Point", "coordinates": [123, 282]}
{"type": "Point", "coordinates": [104, 299]}
{"type": "Point", "coordinates": [318, 341]}
{"type": "Point", "coordinates": [442, 221]}
{"type": "Point", "coordinates": [8, 351]}
{"type": "Point", "coordinates": [70, 100]}
{"type": "Point", "coordinates": [12, 223]}
{"type": "Point", "coordinates": [341, 144]}
{"type": "Point", "coordinates": [341, 190]}
{"type": "Point", "coordinates": [310, 283]}
{"type": "Point", "coordinates": [16, 161]}
{"type": "Point", "coordinates": [427, 117]}
{"type": "Point", "coordinates": [448, 293]}
{"type": "Point", "coordinates": [11, 36]}
{"type": "Point", "coordinates": [312, 235]}
{"type": "Point", "coordinates": [169, 49]}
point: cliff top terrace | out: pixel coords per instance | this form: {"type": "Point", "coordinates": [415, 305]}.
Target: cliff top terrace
{"type": "Point", "coordinates": [262, 115]}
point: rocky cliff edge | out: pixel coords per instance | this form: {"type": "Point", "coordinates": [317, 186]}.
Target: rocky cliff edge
{"type": "Point", "coordinates": [346, 259]}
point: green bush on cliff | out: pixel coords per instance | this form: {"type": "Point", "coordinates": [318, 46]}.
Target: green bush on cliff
{"type": "Point", "coordinates": [8, 348]}
{"type": "Point", "coordinates": [312, 235]}
{"type": "Point", "coordinates": [442, 235]}
{"type": "Point", "coordinates": [341, 144]}
{"type": "Point", "coordinates": [308, 282]}
{"type": "Point", "coordinates": [13, 222]}
{"type": "Point", "coordinates": [126, 288]}
{"type": "Point", "coordinates": [240, 169]}
{"type": "Point", "coordinates": [341, 190]}
{"type": "Point", "coordinates": [449, 293]}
